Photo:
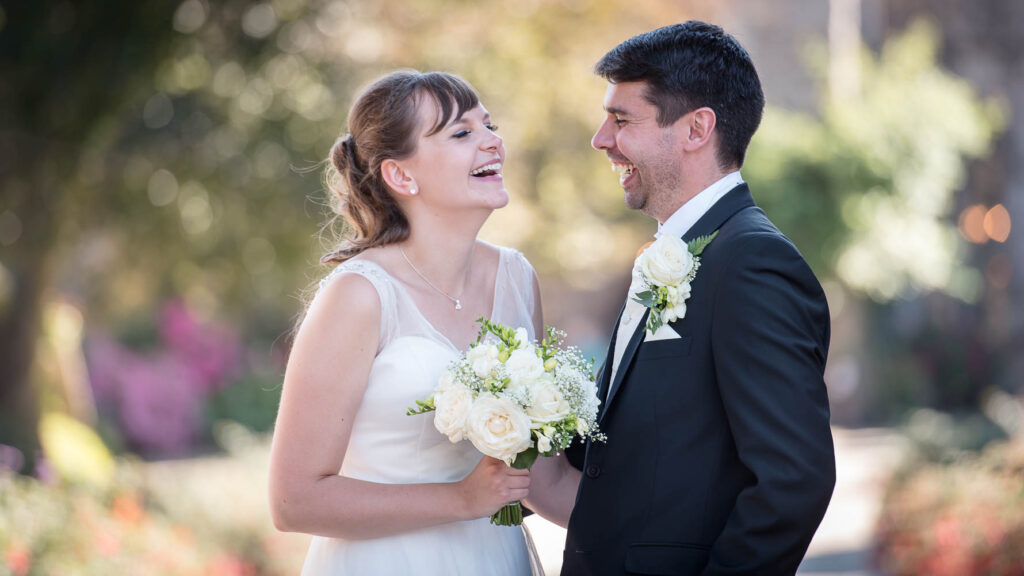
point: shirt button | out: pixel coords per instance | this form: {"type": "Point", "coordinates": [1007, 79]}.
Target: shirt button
{"type": "Point", "coordinates": [593, 471]}
{"type": "Point", "coordinates": [627, 318]}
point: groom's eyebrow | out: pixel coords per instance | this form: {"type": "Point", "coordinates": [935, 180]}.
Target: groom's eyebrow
{"type": "Point", "coordinates": [616, 111]}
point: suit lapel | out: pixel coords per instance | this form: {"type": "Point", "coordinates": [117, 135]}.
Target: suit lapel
{"type": "Point", "coordinates": [605, 375]}
{"type": "Point", "coordinates": [734, 200]}
{"type": "Point", "coordinates": [626, 360]}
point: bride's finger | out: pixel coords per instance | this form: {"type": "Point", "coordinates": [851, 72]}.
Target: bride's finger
{"type": "Point", "coordinates": [519, 482]}
{"type": "Point", "coordinates": [518, 495]}
{"type": "Point", "coordinates": [517, 472]}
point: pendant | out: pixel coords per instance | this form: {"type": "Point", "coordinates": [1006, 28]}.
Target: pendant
{"type": "Point", "coordinates": [458, 304]}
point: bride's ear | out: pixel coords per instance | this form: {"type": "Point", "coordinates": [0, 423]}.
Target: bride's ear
{"type": "Point", "coordinates": [398, 178]}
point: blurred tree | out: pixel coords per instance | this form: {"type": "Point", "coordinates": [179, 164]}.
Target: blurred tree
{"type": "Point", "coordinates": [876, 172]}
{"type": "Point", "coordinates": [69, 69]}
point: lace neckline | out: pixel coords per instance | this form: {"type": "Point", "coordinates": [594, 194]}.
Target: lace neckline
{"type": "Point", "coordinates": [377, 269]}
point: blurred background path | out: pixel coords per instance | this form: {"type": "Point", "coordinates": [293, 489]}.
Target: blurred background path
{"type": "Point", "coordinates": [842, 546]}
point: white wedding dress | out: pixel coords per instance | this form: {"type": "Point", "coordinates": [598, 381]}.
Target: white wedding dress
{"type": "Point", "coordinates": [391, 448]}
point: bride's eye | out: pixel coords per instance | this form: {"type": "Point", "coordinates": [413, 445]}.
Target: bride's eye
{"type": "Point", "coordinates": [492, 127]}
{"type": "Point", "coordinates": [461, 134]}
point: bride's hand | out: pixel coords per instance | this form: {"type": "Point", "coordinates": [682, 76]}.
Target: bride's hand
{"type": "Point", "coordinates": [491, 485]}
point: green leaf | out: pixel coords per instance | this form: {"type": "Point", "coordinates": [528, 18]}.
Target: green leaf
{"type": "Point", "coordinates": [646, 298]}
{"type": "Point", "coordinates": [654, 321]}
{"type": "Point", "coordinates": [697, 245]}
{"type": "Point", "coordinates": [526, 458]}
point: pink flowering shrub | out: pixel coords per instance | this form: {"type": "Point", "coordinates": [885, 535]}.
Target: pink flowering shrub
{"type": "Point", "coordinates": [960, 519]}
{"type": "Point", "coordinates": [157, 396]}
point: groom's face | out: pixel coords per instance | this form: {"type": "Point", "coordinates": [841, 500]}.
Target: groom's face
{"type": "Point", "coordinates": [645, 155]}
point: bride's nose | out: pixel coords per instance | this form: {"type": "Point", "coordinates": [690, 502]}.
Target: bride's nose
{"type": "Point", "coordinates": [491, 142]}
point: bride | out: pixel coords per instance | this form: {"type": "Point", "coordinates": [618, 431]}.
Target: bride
{"type": "Point", "coordinates": [382, 492]}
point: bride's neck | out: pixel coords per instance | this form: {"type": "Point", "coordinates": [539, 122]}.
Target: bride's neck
{"type": "Point", "coordinates": [443, 254]}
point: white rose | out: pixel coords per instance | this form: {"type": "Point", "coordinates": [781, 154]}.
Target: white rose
{"type": "Point", "coordinates": [543, 443]}
{"type": "Point", "coordinates": [548, 404]}
{"type": "Point", "coordinates": [667, 262]}
{"type": "Point", "coordinates": [524, 368]}
{"type": "Point", "coordinates": [452, 405]}
{"type": "Point", "coordinates": [484, 359]}
{"type": "Point", "coordinates": [498, 427]}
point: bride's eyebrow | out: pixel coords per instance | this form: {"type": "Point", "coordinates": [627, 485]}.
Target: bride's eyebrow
{"type": "Point", "coordinates": [462, 121]}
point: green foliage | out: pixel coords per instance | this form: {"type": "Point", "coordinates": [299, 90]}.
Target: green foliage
{"type": "Point", "coordinates": [251, 401]}
{"type": "Point", "coordinates": [865, 187]}
{"type": "Point", "coordinates": [697, 245]}
{"type": "Point", "coordinates": [422, 407]}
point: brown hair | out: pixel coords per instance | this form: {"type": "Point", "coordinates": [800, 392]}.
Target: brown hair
{"type": "Point", "coordinates": [382, 124]}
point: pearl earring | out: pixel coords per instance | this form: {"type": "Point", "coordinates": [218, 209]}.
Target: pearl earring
{"type": "Point", "coordinates": [412, 191]}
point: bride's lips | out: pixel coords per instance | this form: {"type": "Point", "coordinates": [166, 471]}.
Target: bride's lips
{"type": "Point", "coordinates": [491, 171]}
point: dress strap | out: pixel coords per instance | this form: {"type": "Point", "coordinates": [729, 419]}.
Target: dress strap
{"type": "Point", "coordinates": [385, 291]}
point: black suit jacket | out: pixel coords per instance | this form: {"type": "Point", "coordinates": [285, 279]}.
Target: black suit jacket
{"type": "Point", "coordinates": [719, 457]}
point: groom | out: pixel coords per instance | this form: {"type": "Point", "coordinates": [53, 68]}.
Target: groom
{"type": "Point", "coordinates": [719, 457]}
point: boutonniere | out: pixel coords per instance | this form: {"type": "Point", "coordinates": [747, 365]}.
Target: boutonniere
{"type": "Point", "coordinates": [666, 269]}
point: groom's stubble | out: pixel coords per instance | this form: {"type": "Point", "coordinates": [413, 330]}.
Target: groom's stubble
{"type": "Point", "coordinates": [657, 194]}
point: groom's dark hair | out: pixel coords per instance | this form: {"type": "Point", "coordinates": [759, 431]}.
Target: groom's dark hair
{"type": "Point", "coordinates": [688, 66]}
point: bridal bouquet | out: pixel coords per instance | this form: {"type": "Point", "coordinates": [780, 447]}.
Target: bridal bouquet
{"type": "Point", "coordinates": [515, 399]}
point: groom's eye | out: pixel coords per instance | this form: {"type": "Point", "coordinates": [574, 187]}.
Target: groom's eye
{"type": "Point", "coordinates": [619, 121]}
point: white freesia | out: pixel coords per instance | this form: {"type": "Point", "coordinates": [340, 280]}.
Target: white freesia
{"type": "Point", "coordinates": [543, 443]}
{"type": "Point", "coordinates": [548, 404]}
{"type": "Point", "coordinates": [674, 313]}
{"type": "Point", "coordinates": [666, 262]}
{"type": "Point", "coordinates": [484, 359]}
{"type": "Point", "coordinates": [524, 338]}
{"type": "Point", "coordinates": [524, 368]}
{"type": "Point", "coordinates": [498, 427]}
{"type": "Point", "coordinates": [452, 404]}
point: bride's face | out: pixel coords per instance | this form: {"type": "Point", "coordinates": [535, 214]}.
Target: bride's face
{"type": "Point", "coordinates": [459, 166]}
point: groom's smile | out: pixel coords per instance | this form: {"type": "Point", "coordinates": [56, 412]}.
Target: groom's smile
{"type": "Point", "coordinates": [626, 171]}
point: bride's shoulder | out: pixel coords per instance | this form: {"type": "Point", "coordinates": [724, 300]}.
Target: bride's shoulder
{"type": "Point", "coordinates": [494, 253]}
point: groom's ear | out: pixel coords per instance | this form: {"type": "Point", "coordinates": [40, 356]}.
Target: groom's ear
{"type": "Point", "coordinates": [397, 178]}
{"type": "Point", "coordinates": [698, 128]}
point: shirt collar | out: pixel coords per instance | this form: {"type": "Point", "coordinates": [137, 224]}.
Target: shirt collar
{"type": "Point", "coordinates": [687, 215]}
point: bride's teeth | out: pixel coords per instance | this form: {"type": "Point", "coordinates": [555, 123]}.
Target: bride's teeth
{"type": "Point", "coordinates": [496, 167]}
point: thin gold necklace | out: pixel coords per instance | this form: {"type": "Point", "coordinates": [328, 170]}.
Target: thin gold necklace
{"type": "Point", "coordinates": [458, 301]}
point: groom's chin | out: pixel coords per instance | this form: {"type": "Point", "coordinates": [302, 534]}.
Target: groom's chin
{"type": "Point", "coordinates": [635, 199]}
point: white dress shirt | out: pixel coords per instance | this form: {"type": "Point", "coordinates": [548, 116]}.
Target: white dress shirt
{"type": "Point", "coordinates": [678, 224]}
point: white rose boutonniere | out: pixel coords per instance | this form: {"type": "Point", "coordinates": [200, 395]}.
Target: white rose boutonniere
{"type": "Point", "coordinates": [666, 269]}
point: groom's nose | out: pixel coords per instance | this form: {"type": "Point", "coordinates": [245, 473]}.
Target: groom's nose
{"type": "Point", "coordinates": [603, 139]}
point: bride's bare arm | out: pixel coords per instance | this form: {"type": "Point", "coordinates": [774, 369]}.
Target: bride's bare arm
{"type": "Point", "coordinates": [324, 383]}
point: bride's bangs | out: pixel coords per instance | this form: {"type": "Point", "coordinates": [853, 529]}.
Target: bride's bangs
{"type": "Point", "coordinates": [452, 95]}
